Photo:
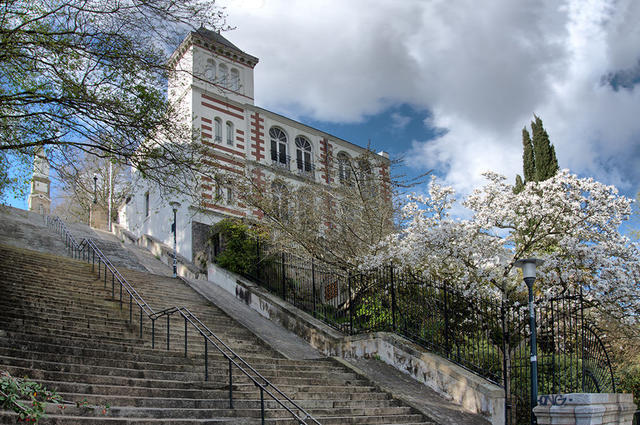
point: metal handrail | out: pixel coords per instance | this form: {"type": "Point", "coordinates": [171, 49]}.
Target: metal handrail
{"type": "Point", "coordinates": [130, 289]}
{"type": "Point", "coordinates": [233, 358]}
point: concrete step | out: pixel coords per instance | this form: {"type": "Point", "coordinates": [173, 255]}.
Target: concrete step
{"type": "Point", "coordinates": [70, 337]}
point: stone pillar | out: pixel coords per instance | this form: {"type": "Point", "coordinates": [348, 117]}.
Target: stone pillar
{"type": "Point", "coordinates": [585, 409]}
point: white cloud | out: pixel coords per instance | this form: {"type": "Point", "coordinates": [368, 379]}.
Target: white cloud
{"type": "Point", "coordinates": [483, 71]}
{"type": "Point", "coordinates": [399, 121]}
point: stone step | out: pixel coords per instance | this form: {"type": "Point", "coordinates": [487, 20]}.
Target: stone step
{"type": "Point", "coordinates": [191, 375]}
{"type": "Point", "coordinates": [69, 335]}
{"type": "Point", "coordinates": [222, 402]}
{"type": "Point", "coordinates": [10, 418]}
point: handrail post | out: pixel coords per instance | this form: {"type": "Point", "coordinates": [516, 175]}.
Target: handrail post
{"type": "Point", "coordinates": [140, 322]}
{"type": "Point", "coordinates": [447, 330]}
{"type": "Point", "coordinates": [350, 305]}
{"type": "Point", "coordinates": [262, 404]}
{"type": "Point", "coordinates": [230, 385]}
{"type": "Point", "coordinates": [185, 336]}
{"type": "Point", "coordinates": [153, 333]}
{"type": "Point", "coordinates": [206, 359]}
{"type": "Point", "coordinates": [393, 299]}
{"type": "Point", "coordinates": [168, 326]}
{"type": "Point", "coordinates": [313, 285]}
{"type": "Point", "coordinates": [130, 309]}
{"type": "Point", "coordinates": [284, 288]}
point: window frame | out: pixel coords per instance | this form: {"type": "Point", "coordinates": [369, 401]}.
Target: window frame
{"type": "Point", "coordinates": [230, 133]}
{"type": "Point", "coordinates": [344, 168]}
{"type": "Point", "coordinates": [304, 154]}
{"type": "Point", "coordinates": [279, 142]}
{"type": "Point", "coordinates": [217, 129]}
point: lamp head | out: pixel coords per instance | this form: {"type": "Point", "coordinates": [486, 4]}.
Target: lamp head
{"type": "Point", "coordinates": [174, 205]}
{"type": "Point", "coordinates": [528, 266]}
{"type": "Point", "coordinates": [95, 177]}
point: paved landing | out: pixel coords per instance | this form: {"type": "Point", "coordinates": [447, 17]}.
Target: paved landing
{"type": "Point", "coordinates": [413, 393]}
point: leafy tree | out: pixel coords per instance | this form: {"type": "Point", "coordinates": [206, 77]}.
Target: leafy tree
{"type": "Point", "coordinates": [336, 223]}
{"type": "Point", "coordinates": [90, 76]}
{"type": "Point", "coordinates": [539, 160]}
{"type": "Point", "coordinates": [575, 224]}
{"type": "Point", "coordinates": [77, 188]}
{"type": "Point", "coordinates": [238, 253]}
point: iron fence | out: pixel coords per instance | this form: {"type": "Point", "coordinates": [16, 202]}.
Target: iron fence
{"type": "Point", "coordinates": [487, 336]}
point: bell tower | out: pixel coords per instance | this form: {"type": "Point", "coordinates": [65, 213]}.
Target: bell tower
{"type": "Point", "coordinates": [40, 195]}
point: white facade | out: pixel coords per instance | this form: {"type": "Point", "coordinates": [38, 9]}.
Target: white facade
{"type": "Point", "coordinates": [215, 87]}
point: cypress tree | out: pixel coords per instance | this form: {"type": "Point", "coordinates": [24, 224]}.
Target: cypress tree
{"type": "Point", "coordinates": [546, 163]}
{"type": "Point", "coordinates": [539, 160]}
{"type": "Point", "coordinates": [519, 184]}
{"type": "Point", "coordinates": [528, 160]}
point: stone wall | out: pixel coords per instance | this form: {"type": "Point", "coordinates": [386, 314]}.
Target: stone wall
{"type": "Point", "coordinates": [474, 394]}
{"type": "Point", "coordinates": [585, 409]}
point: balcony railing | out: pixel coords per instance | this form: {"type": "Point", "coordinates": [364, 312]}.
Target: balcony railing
{"type": "Point", "coordinates": [306, 170]}
{"type": "Point", "coordinates": [278, 162]}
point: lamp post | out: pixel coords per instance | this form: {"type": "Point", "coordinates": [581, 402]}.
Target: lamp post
{"type": "Point", "coordinates": [95, 188]}
{"type": "Point", "coordinates": [528, 266]}
{"type": "Point", "coordinates": [95, 195]}
{"type": "Point", "coordinates": [174, 205]}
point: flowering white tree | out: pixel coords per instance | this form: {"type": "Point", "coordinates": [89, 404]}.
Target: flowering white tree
{"type": "Point", "coordinates": [572, 223]}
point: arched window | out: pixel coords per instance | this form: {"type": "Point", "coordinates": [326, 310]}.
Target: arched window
{"type": "Point", "coordinates": [229, 133]}
{"type": "Point", "coordinates": [303, 155]}
{"type": "Point", "coordinates": [365, 177]}
{"type": "Point", "coordinates": [235, 79]}
{"type": "Point", "coordinates": [344, 168]}
{"type": "Point", "coordinates": [280, 196]}
{"type": "Point", "coordinates": [210, 71]}
{"type": "Point", "coordinates": [217, 129]}
{"type": "Point", "coordinates": [223, 75]}
{"type": "Point", "coordinates": [278, 147]}
{"type": "Point", "coordinates": [230, 197]}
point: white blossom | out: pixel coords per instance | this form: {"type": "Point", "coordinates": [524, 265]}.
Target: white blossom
{"type": "Point", "coordinates": [571, 223]}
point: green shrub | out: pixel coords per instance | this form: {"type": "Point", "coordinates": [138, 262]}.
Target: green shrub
{"type": "Point", "coordinates": [25, 397]}
{"type": "Point", "coordinates": [628, 377]}
{"type": "Point", "coordinates": [239, 253]}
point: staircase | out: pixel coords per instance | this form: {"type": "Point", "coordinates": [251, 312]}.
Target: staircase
{"type": "Point", "coordinates": [60, 326]}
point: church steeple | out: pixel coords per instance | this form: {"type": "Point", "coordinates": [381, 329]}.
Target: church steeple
{"type": "Point", "coordinates": [40, 196]}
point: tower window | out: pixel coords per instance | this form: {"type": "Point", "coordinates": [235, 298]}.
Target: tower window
{"type": "Point", "coordinates": [210, 70]}
{"type": "Point", "coordinates": [235, 80]}
{"type": "Point", "coordinates": [223, 75]}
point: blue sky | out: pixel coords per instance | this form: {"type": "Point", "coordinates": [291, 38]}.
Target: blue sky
{"type": "Point", "coordinates": [449, 85]}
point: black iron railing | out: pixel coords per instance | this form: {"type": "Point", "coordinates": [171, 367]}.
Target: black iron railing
{"type": "Point", "coordinates": [487, 336]}
{"type": "Point", "coordinates": [88, 251]}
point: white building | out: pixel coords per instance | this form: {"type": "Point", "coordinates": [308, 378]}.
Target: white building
{"type": "Point", "coordinates": [243, 138]}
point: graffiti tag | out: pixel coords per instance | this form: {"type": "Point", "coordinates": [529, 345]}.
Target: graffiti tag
{"type": "Point", "coordinates": [553, 400]}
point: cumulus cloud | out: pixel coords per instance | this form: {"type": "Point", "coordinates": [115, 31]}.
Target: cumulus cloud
{"type": "Point", "coordinates": [481, 70]}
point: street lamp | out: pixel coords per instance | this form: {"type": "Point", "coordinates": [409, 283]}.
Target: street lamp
{"type": "Point", "coordinates": [95, 188]}
{"type": "Point", "coordinates": [528, 266]}
{"type": "Point", "coordinates": [174, 205]}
